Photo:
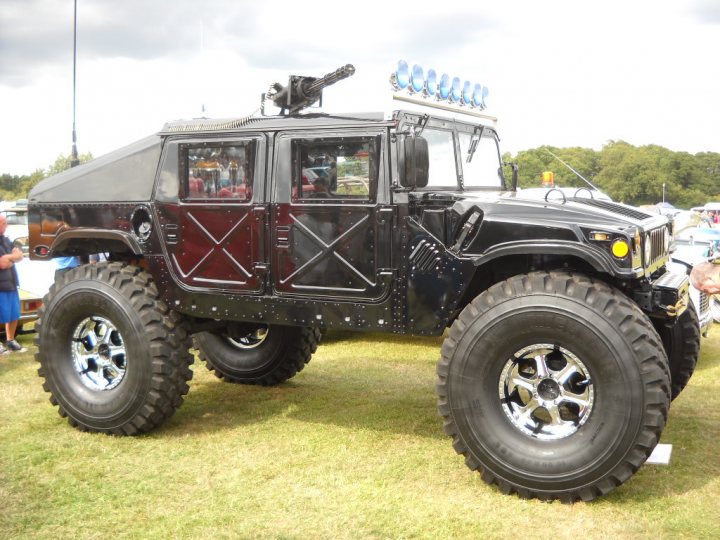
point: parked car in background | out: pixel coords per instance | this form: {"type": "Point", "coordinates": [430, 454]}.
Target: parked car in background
{"type": "Point", "coordinates": [694, 245]}
{"type": "Point", "coordinates": [31, 274]}
{"type": "Point", "coordinates": [35, 278]}
{"type": "Point", "coordinates": [17, 221]}
{"type": "Point", "coordinates": [667, 209]}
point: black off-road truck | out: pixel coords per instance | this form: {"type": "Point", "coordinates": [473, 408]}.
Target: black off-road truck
{"type": "Point", "coordinates": [247, 238]}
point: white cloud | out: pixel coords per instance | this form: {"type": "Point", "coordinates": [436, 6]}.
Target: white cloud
{"type": "Point", "coordinates": [561, 73]}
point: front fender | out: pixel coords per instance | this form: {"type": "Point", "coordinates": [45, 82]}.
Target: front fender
{"type": "Point", "coordinates": [599, 261]}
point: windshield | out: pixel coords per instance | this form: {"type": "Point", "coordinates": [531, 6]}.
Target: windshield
{"type": "Point", "coordinates": [484, 169]}
{"type": "Point", "coordinates": [449, 146]}
{"type": "Point", "coordinates": [442, 171]}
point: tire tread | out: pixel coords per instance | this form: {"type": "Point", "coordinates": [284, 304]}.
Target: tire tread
{"type": "Point", "coordinates": [628, 318]}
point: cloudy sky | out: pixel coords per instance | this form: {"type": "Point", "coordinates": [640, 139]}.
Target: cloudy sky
{"type": "Point", "coordinates": [563, 73]}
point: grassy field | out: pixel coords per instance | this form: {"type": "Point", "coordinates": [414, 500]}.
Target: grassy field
{"type": "Point", "coordinates": [351, 448]}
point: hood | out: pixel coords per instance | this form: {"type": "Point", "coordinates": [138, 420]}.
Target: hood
{"type": "Point", "coordinates": [582, 211]}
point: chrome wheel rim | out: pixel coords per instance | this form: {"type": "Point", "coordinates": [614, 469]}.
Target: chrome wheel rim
{"type": "Point", "coordinates": [251, 339]}
{"type": "Point", "coordinates": [546, 391]}
{"type": "Point", "coordinates": [98, 354]}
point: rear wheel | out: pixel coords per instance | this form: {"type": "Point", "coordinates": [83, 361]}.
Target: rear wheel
{"type": "Point", "coordinates": [257, 353]}
{"type": "Point", "coordinates": [114, 358]}
{"type": "Point", "coordinates": [553, 385]}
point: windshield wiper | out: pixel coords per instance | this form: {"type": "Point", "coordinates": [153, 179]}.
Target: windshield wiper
{"type": "Point", "coordinates": [474, 140]}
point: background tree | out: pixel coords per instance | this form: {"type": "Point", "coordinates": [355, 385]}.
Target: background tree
{"type": "Point", "coordinates": [630, 174]}
{"type": "Point", "coordinates": [18, 187]}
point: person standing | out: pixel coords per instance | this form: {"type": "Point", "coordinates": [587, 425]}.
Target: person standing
{"type": "Point", "coordinates": [9, 297]}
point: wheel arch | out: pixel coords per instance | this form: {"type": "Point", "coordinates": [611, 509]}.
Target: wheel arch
{"type": "Point", "coordinates": [87, 241]}
{"type": "Point", "coordinates": [505, 263]}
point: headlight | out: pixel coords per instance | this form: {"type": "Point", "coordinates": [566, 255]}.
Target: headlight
{"type": "Point", "coordinates": [620, 248]}
{"type": "Point", "coordinates": [647, 249]}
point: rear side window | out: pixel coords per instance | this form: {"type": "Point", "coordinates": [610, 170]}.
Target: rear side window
{"type": "Point", "coordinates": [341, 168]}
{"type": "Point", "coordinates": [218, 171]}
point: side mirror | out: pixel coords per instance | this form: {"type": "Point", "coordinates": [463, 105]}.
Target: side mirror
{"type": "Point", "coordinates": [417, 163]}
{"type": "Point", "coordinates": [514, 168]}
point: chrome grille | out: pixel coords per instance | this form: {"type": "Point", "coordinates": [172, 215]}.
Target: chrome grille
{"type": "Point", "coordinates": [657, 241]}
{"type": "Point", "coordinates": [704, 303]}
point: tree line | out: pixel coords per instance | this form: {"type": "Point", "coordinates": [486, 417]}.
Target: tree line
{"type": "Point", "coordinates": [13, 187]}
{"type": "Point", "coordinates": [630, 174]}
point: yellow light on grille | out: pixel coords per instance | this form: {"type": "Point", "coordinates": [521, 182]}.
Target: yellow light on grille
{"type": "Point", "coordinates": [620, 248]}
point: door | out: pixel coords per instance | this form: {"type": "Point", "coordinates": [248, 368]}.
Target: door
{"type": "Point", "coordinates": [330, 225]}
{"type": "Point", "coordinates": [216, 237]}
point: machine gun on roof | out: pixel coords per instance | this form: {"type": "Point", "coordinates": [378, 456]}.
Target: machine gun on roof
{"type": "Point", "coordinates": [302, 91]}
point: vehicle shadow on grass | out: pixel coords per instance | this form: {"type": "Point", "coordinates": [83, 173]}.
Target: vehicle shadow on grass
{"type": "Point", "coordinates": [383, 397]}
{"type": "Point", "coordinates": [379, 399]}
{"type": "Point", "coordinates": [347, 403]}
{"type": "Point", "coordinates": [693, 464]}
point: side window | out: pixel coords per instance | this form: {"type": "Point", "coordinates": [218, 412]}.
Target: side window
{"type": "Point", "coordinates": [342, 168]}
{"type": "Point", "coordinates": [218, 171]}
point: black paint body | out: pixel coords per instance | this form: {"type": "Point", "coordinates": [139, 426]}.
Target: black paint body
{"type": "Point", "coordinates": [406, 260]}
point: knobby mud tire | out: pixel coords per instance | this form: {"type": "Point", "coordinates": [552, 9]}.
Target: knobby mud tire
{"type": "Point", "coordinates": [153, 345]}
{"type": "Point", "coordinates": [611, 338]}
{"type": "Point", "coordinates": [282, 354]}
{"type": "Point", "coordinates": [681, 340]}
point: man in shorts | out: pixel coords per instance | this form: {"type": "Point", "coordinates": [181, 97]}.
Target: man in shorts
{"type": "Point", "coordinates": [9, 298]}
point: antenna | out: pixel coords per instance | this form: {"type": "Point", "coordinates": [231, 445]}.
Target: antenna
{"type": "Point", "coordinates": [580, 176]}
{"type": "Point", "coordinates": [74, 161]}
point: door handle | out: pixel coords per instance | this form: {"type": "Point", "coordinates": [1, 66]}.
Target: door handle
{"type": "Point", "coordinates": [283, 237]}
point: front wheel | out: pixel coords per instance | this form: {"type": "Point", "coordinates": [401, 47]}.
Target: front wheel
{"type": "Point", "coordinates": [114, 358]}
{"type": "Point", "coordinates": [553, 385]}
{"type": "Point", "coordinates": [681, 340]}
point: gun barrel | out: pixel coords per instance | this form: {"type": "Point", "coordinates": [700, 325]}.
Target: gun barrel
{"type": "Point", "coordinates": [301, 92]}
{"type": "Point", "coordinates": [331, 78]}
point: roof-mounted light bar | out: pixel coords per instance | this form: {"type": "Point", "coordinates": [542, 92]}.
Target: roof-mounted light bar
{"type": "Point", "coordinates": [454, 91]}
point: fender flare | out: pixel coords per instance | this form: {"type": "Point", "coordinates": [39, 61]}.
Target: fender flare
{"type": "Point", "coordinates": [65, 238]}
{"type": "Point", "coordinates": [594, 258]}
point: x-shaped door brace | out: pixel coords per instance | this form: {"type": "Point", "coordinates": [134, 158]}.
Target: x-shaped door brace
{"type": "Point", "coordinates": [326, 250]}
{"type": "Point", "coordinates": [217, 245]}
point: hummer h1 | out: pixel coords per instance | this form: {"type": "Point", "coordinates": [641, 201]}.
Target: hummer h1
{"type": "Point", "coordinates": [247, 238]}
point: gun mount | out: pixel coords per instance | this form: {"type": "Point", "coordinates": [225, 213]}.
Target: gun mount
{"type": "Point", "coordinates": [302, 91]}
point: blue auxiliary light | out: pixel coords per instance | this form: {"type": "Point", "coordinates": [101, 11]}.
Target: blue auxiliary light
{"type": "Point", "coordinates": [484, 96]}
{"type": "Point", "coordinates": [401, 77]}
{"type": "Point", "coordinates": [456, 91]}
{"type": "Point", "coordinates": [417, 79]}
{"type": "Point", "coordinates": [431, 86]}
{"type": "Point", "coordinates": [467, 94]}
{"type": "Point", "coordinates": [445, 86]}
{"type": "Point", "coordinates": [477, 98]}
{"type": "Point", "coordinates": [426, 84]}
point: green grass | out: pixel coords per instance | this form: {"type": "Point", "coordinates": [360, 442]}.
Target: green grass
{"type": "Point", "coordinates": [351, 448]}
